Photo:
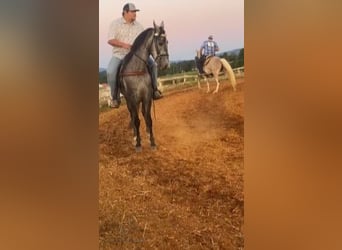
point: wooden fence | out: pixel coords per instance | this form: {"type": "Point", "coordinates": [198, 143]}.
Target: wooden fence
{"type": "Point", "coordinates": [192, 77]}
{"type": "Point", "coordinates": [165, 82]}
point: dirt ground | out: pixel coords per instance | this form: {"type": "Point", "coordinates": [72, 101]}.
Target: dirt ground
{"type": "Point", "coordinates": [187, 194]}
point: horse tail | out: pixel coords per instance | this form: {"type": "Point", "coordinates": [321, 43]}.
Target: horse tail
{"type": "Point", "coordinates": [230, 72]}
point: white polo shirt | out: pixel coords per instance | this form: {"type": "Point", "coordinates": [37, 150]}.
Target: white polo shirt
{"type": "Point", "coordinates": [125, 32]}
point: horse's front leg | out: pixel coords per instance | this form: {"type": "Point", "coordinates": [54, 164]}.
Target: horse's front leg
{"type": "Point", "coordinates": [150, 132]}
{"type": "Point", "coordinates": [199, 81]}
{"type": "Point", "coordinates": [137, 137]}
{"type": "Point", "coordinates": [148, 121]}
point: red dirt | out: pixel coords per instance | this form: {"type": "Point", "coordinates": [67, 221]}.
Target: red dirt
{"type": "Point", "coordinates": [187, 194]}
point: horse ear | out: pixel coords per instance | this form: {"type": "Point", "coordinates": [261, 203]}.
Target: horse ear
{"type": "Point", "coordinates": [162, 24]}
{"type": "Point", "coordinates": [154, 25]}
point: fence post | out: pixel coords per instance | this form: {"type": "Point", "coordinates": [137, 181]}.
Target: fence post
{"type": "Point", "coordinates": [160, 84]}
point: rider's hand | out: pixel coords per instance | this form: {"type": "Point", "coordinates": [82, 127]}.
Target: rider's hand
{"type": "Point", "coordinates": [126, 46]}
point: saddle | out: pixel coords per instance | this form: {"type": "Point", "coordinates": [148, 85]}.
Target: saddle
{"type": "Point", "coordinates": [201, 62]}
{"type": "Point", "coordinates": [120, 74]}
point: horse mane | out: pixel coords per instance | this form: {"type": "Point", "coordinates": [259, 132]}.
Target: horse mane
{"type": "Point", "coordinates": [139, 40]}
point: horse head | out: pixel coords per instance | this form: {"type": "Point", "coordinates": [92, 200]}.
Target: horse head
{"type": "Point", "coordinates": [159, 50]}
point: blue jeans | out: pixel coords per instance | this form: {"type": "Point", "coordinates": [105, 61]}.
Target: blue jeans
{"type": "Point", "coordinates": [112, 71]}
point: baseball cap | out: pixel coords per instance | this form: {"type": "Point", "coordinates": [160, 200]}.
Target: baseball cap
{"type": "Point", "coordinates": [210, 37]}
{"type": "Point", "coordinates": [130, 7]}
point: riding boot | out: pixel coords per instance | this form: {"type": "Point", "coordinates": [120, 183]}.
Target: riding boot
{"type": "Point", "coordinates": [156, 93]}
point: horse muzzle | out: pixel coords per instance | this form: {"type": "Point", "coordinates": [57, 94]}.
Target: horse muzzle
{"type": "Point", "coordinates": [162, 61]}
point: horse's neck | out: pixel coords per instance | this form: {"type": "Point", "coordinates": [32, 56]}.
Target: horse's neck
{"type": "Point", "coordinates": [141, 55]}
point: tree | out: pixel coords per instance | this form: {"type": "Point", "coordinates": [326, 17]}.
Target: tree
{"type": "Point", "coordinates": [241, 58]}
{"type": "Point", "coordinates": [225, 56]}
{"type": "Point", "coordinates": [232, 59]}
{"type": "Point", "coordinates": [102, 77]}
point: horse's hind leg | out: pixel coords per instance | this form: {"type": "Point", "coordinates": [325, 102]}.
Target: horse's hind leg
{"type": "Point", "coordinates": [208, 87]}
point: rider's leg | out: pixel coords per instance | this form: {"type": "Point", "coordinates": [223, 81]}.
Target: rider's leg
{"type": "Point", "coordinates": [202, 60]}
{"type": "Point", "coordinates": [199, 65]}
{"type": "Point", "coordinates": [154, 74]}
{"type": "Point", "coordinates": [112, 71]}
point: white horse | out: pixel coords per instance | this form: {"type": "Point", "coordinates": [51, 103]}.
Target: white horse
{"type": "Point", "coordinates": [213, 65]}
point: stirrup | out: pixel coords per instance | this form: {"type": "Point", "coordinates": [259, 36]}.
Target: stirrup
{"type": "Point", "coordinates": [114, 104]}
{"type": "Point", "coordinates": [157, 95]}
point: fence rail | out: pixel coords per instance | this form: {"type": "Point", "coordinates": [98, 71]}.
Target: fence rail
{"type": "Point", "coordinates": [163, 81]}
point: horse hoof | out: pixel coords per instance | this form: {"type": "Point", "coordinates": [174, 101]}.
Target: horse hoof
{"type": "Point", "coordinates": [138, 149]}
{"type": "Point", "coordinates": [153, 147]}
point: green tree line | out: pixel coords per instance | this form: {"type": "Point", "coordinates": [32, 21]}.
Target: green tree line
{"type": "Point", "coordinates": [235, 60]}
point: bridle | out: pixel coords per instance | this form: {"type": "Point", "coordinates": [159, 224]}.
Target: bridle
{"type": "Point", "coordinates": [155, 40]}
{"type": "Point", "coordinates": [156, 36]}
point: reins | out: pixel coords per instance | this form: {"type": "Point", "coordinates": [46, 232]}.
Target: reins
{"type": "Point", "coordinates": [156, 36]}
{"type": "Point", "coordinates": [154, 110]}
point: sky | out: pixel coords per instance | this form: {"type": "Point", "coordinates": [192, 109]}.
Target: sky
{"type": "Point", "coordinates": [187, 24]}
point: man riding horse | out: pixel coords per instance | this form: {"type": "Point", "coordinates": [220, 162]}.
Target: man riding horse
{"type": "Point", "coordinates": [121, 35]}
{"type": "Point", "coordinates": [208, 49]}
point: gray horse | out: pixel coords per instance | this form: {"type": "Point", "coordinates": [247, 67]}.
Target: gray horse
{"type": "Point", "coordinates": [135, 80]}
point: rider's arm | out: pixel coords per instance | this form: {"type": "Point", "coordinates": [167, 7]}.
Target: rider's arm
{"type": "Point", "coordinates": [216, 47]}
{"type": "Point", "coordinates": [117, 43]}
